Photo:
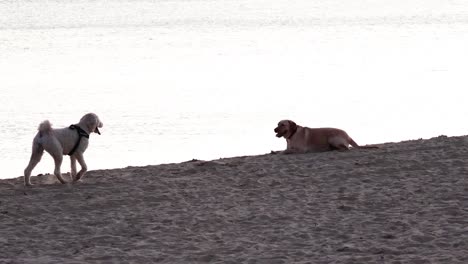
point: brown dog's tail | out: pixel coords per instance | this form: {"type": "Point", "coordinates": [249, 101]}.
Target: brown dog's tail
{"type": "Point", "coordinates": [352, 142]}
{"type": "Point", "coordinates": [355, 145]}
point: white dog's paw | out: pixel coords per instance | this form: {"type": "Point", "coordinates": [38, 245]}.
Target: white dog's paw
{"type": "Point", "coordinates": [77, 181]}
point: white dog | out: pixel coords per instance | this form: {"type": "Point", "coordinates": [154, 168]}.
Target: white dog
{"type": "Point", "coordinates": [71, 141]}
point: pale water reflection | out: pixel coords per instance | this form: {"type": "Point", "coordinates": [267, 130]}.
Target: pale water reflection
{"type": "Point", "coordinates": [176, 80]}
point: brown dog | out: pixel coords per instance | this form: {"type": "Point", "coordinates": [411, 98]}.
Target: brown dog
{"type": "Point", "coordinates": [303, 139]}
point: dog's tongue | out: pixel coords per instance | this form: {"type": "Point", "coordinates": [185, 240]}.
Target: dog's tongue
{"type": "Point", "coordinates": [97, 131]}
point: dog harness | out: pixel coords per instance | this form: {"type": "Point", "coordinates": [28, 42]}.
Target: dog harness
{"type": "Point", "coordinates": [81, 133]}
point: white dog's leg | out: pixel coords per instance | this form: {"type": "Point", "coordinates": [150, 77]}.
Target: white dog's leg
{"type": "Point", "coordinates": [36, 155]}
{"type": "Point", "coordinates": [73, 167]}
{"type": "Point", "coordinates": [58, 157]}
{"type": "Point", "coordinates": [84, 167]}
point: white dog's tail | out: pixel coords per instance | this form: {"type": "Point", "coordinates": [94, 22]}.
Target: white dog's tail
{"type": "Point", "coordinates": [45, 127]}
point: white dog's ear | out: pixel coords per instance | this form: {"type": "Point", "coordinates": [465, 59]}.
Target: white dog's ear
{"type": "Point", "coordinates": [99, 124]}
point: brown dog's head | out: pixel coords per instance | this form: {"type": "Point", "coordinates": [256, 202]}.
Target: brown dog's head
{"type": "Point", "coordinates": [285, 128]}
{"type": "Point", "coordinates": [91, 123]}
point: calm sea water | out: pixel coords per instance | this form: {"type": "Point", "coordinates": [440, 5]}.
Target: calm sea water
{"type": "Point", "coordinates": [174, 80]}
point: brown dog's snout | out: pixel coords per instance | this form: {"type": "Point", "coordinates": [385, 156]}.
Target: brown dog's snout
{"type": "Point", "coordinates": [276, 130]}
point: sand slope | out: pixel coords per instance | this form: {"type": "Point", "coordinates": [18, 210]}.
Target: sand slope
{"type": "Point", "coordinates": [403, 203]}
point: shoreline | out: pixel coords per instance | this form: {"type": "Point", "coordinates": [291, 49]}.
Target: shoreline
{"type": "Point", "coordinates": [66, 174]}
{"type": "Point", "coordinates": [403, 202]}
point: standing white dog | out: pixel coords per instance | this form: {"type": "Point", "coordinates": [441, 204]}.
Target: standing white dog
{"type": "Point", "coordinates": [71, 141]}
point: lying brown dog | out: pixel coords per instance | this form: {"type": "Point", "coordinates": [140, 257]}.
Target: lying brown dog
{"type": "Point", "coordinates": [303, 139]}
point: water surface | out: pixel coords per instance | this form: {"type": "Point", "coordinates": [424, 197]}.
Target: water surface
{"type": "Point", "coordinates": [180, 79]}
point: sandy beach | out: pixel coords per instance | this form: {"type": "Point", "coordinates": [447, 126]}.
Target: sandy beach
{"type": "Point", "coordinates": [405, 202]}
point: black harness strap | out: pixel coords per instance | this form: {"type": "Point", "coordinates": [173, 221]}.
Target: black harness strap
{"type": "Point", "coordinates": [81, 133]}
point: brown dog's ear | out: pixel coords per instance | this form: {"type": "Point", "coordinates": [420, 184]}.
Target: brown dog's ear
{"type": "Point", "coordinates": [292, 125]}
